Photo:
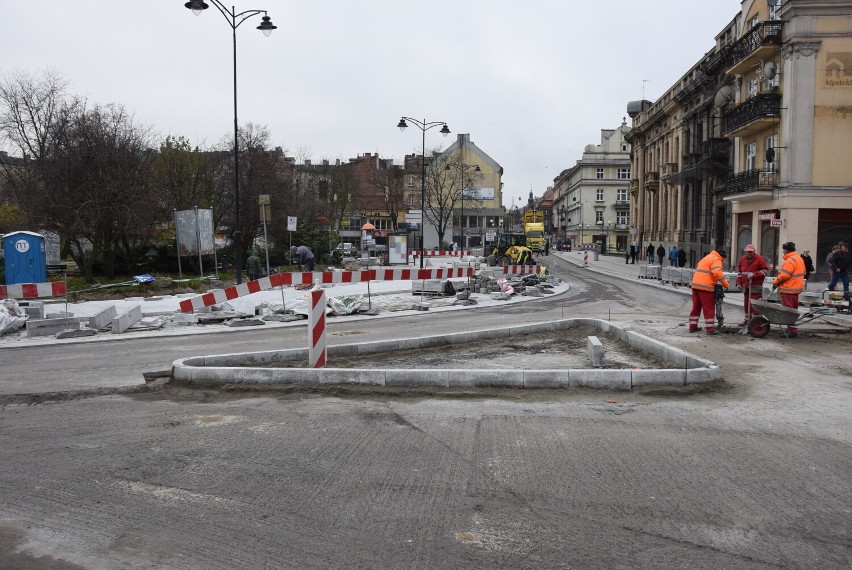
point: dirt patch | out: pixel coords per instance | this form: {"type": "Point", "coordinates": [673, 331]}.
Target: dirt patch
{"type": "Point", "coordinates": [558, 350]}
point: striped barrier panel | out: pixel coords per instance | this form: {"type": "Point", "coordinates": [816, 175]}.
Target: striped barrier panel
{"type": "Point", "coordinates": [316, 330]}
{"type": "Point", "coordinates": [438, 253]}
{"type": "Point", "coordinates": [33, 290]}
{"type": "Point", "coordinates": [519, 269]}
{"type": "Point", "coordinates": [323, 277]}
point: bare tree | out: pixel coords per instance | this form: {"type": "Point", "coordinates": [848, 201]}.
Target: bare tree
{"type": "Point", "coordinates": [387, 184]}
{"type": "Point", "coordinates": [34, 114]}
{"type": "Point", "coordinates": [96, 189]}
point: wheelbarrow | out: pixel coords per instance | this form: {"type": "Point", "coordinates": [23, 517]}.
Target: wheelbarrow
{"type": "Point", "coordinates": [772, 313]}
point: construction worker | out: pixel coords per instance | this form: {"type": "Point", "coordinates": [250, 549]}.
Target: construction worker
{"type": "Point", "coordinates": [790, 282]}
{"type": "Point", "coordinates": [707, 275]}
{"type": "Point", "coordinates": [752, 269]}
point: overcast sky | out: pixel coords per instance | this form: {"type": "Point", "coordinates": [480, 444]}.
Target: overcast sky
{"type": "Point", "coordinates": [531, 82]}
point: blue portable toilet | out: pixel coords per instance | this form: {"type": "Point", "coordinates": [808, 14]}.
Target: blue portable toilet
{"type": "Point", "coordinates": [25, 260]}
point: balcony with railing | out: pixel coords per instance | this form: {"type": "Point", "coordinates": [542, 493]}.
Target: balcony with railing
{"type": "Point", "coordinates": [754, 115]}
{"type": "Point", "coordinates": [718, 61]}
{"type": "Point", "coordinates": [652, 180]}
{"type": "Point", "coordinates": [756, 180]}
{"type": "Point", "coordinates": [760, 43]}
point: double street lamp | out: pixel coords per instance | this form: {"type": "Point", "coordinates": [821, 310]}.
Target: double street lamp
{"type": "Point", "coordinates": [423, 126]}
{"type": "Point", "coordinates": [234, 20]}
{"type": "Point", "coordinates": [462, 168]}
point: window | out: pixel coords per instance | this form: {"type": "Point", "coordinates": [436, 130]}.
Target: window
{"type": "Point", "coordinates": [622, 218]}
{"type": "Point", "coordinates": [622, 195]}
{"type": "Point", "coordinates": [624, 147]}
{"type": "Point", "coordinates": [410, 182]}
{"type": "Point", "coordinates": [599, 173]}
{"type": "Point", "coordinates": [598, 217]}
{"type": "Point", "coordinates": [624, 174]}
{"type": "Point", "coordinates": [753, 22]}
{"type": "Point", "coordinates": [752, 87]}
{"type": "Point", "coordinates": [599, 195]}
{"type": "Point", "coordinates": [774, 9]}
{"type": "Point", "coordinates": [381, 224]}
{"type": "Point", "coordinates": [751, 156]}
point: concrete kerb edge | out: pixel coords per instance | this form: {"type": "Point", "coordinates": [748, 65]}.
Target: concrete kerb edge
{"type": "Point", "coordinates": [244, 368]}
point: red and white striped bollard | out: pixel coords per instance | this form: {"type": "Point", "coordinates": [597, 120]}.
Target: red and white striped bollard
{"type": "Point", "coordinates": [316, 330]}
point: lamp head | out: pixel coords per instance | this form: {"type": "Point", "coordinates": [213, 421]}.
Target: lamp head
{"type": "Point", "coordinates": [445, 131]}
{"type": "Point", "coordinates": [402, 125]}
{"type": "Point", "coordinates": [197, 6]}
{"type": "Point", "coordinates": [266, 25]}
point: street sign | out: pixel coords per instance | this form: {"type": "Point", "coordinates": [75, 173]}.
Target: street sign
{"type": "Point", "coordinates": [291, 223]}
{"type": "Point", "coordinates": [776, 223]}
{"type": "Point", "coordinates": [414, 217]}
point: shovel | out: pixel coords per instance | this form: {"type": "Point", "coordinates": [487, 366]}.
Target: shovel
{"type": "Point", "coordinates": [744, 329]}
{"type": "Point", "coordinates": [720, 296]}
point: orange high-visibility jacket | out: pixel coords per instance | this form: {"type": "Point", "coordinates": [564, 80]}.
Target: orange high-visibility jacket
{"type": "Point", "coordinates": [791, 276]}
{"type": "Point", "coordinates": [709, 272]}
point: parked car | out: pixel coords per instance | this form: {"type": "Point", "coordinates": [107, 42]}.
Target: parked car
{"type": "Point", "coordinates": [563, 244]}
{"type": "Point", "coordinates": [346, 249]}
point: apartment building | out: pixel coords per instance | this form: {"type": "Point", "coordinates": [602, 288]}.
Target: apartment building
{"type": "Point", "coordinates": [591, 200]}
{"type": "Point", "coordinates": [475, 193]}
{"type": "Point", "coordinates": [749, 145]}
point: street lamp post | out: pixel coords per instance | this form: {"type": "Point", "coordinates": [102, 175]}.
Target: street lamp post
{"type": "Point", "coordinates": [423, 126]}
{"type": "Point", "coordinates": [462, 168]}
{"type": "Point", "coordinates": [234, 20]}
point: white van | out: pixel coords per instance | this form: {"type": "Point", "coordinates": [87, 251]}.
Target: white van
{"type": "Point", "coordinates": [346, 249]}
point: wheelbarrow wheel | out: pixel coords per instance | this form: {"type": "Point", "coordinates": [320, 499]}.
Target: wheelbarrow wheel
{"type": "Point", "coordinates": [758, 327]}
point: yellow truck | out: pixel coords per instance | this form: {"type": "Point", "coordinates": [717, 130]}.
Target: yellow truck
{"type": "Point", "coordinates": [534, 230]}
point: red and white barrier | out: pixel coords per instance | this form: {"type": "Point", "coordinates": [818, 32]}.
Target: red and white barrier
{"type": "Point", "coordinates": [324, 277]}
{"type": "Point", "coordinates": [33, 290]}
{"type": "Point", "coordinates": [316, 330]}
{"type": "Point", "coordinates": [439, 253]}
{"type": "Point", "coordinates": [586, 258]}
{"type": "Point", "coordinates": [519, 269]}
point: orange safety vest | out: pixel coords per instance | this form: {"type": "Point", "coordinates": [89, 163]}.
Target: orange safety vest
{"type": "Point", "coordinates": [791, 276]}
{"type": "Point", "coordinates": [708, 273]}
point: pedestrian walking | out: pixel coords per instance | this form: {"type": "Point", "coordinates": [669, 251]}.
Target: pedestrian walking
{"type": "Point", "coordinates": [752, 269]}
{"type": "Point", "coordinates": [634, 251]}
{"type": "Point", "coordinates": [790, 281]}
{"type": "Point", "coordinates": [547, 247]}
{"type": "Point", "coordinates": [661, 253]}
{"type": "Point", "coordinates": [673, 256]}
{"type": "Point", "coordinates": [809, 266]}
{"type": "Point", "coordinates": [834, 248]}
{"type": "Point", "coordinates": [649, 253]}
{"type": "Point", "coordinates": [681, 257]}
{"type": "Point", "coordinates": [839, 262]}
{"type": "Point", "coordinates": [707, 275]}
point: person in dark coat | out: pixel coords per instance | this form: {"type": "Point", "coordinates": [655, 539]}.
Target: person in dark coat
{"type": "Point", "coordinates": [661, 253]}
{"type": "Point", "coordinates": [650, 253]}
{"type": "Point", "coordinates": [809, 266]}
{"type": "Point", "coordinates": [839, 261]}
{"type": "Point", "coordinates": [253, 266]}
{"type": "Point", "coordinates": [681, 257]}
{"type": "Point", "coordinates": [634, 251]}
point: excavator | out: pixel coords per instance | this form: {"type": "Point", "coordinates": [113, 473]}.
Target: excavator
{"type": "Point", "coordinates": [511, 249]}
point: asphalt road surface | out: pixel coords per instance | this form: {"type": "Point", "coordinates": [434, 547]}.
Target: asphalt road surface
{"type": "Point", "coordinates": [752, 473]}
